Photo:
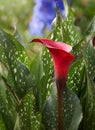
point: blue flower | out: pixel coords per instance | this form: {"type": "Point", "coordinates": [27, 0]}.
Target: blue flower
{"type": "Point", "coordinates": [43, 14]}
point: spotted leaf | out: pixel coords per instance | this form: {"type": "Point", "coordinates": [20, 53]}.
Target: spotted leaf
{"type": "Point", "coordinates": [91, 28]}
{"type": "Point", "coordinates": [75, 76]}
{"type": "Point", "coordinates": [7, 108]}
{"type": "Point", "coordinates": [14, 57]}
{"type": "Point", "coordinates": [89, 57]}
{"type": "Point", "coordinates": [88, 103]}
{"type": "Point", "coordinates": [42, 76]}
{"type": "Point", "coordinates": [72, 115]}
{"type": "Point", "coordinates": [28, 116]}
{"type": "Point", "coordinates": [78, 49]}
{"type": "Point", "coordinates": [64, 30]}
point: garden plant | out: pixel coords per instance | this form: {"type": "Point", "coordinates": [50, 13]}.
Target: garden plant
{"type": "Point", "coordinates": [53, 87]}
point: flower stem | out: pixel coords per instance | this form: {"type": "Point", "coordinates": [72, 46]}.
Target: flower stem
{"type": "Point", "coordinates": [60, 115]}
{"type": "Point", "coordinates": [60, 85]}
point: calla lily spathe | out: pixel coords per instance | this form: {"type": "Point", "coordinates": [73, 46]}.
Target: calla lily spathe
{"type": "Point", "coordinates": [61, 55]}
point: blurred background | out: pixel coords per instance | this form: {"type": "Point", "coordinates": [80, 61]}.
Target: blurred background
{"type": "Point", "coordinates": [18, 14]}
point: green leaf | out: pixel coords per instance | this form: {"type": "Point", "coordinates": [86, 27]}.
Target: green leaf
{"type": "Point", "coordinates": [18, 38]}
{"type": "Point", "coordinates": [88, 99]}
{"type": "Point", "coordinates": [64, 30]}
{"type": "Point", "coordinates": [37, 74]}
{"type": "Point", "coordinates": [48, 68]}
{"type": "Point", "coordinates": [42, 76]}
{"type": "Point", "coordinates": [17, 124]}
{"type": "Point", "coordinates": [78, 49]}
{"type": "Point", "coordinates": [71, 33]}
{"type": "Point", "coordinates": [3, 70]}
{"type": "Point", "coordinates": [28, 116]}
{"type": "Point", "coordinates": [72, 111]}
{"type": "Point", "coordinates": [56, 33]}
{"type": "Point", "coordinates": [89, 57]}
{"type": "Point", "coordinates": [91, 28]}
{"type": "Point", "coordinates": [75, 76]}
{"type": "Point", "coordinates": [2, 125]}
{"type": "Point", "coordinates": [7, 107]}
{"type": "Point", "coordinates": [14, 57]}
{"type": "Point", "coordinates": [88, 122]}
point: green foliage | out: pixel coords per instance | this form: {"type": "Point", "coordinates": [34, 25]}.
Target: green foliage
{"type": "Point", "coordinates": [15, 80]}
{"type": "Point", "coordinates": [7, 108]}
{"type": "Point", "coordinates": [75, 81]}
{"type": "Point", "coordinates": [89, 112]}
{"type": "Point", "coordinates": [28, 98]}
{"type": "Point", "coordinates": [29, 117]}
{"type": "Point", "coordinates": [72, 115]}
{"type": "Point", "coordinates": [89, 56]}
{"type": "Point", "coordinates": [12, 53]}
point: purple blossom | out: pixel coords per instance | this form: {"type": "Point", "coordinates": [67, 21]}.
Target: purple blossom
{"type": "Point", "coordinates": [43, 14]}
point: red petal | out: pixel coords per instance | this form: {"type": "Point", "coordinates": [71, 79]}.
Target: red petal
{"type": "Point", "coordinates": [62, 60]}
{"type": "Point", "coordinates": [61, 57]}
{"type": "Point", "coordinates": [52, 44]}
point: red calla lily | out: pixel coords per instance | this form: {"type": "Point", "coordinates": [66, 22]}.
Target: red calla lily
{"type": "Point", "coordinates": [62, 59]}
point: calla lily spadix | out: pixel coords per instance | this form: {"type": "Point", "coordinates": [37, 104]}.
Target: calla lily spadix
{"type": "Point", "coordinates": [62, 58]}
